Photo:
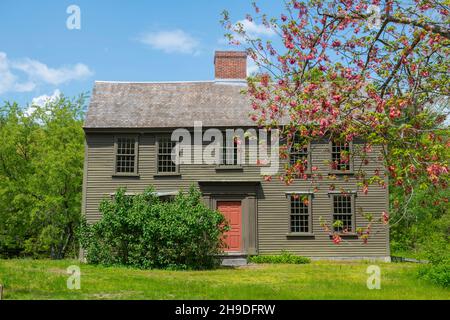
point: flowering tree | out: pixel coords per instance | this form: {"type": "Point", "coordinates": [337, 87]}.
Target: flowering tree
{"type": "Point", "coordinates": [368, 70]}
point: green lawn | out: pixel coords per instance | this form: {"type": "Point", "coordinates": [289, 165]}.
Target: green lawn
{"type": "Point", "coordinates": [44, 279]}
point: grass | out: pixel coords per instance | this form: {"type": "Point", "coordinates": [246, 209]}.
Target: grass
{"type": "Point", "coordinates": [45, 279]}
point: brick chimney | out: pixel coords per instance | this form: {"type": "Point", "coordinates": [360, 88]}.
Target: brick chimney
{"type": "Point", "coordinates": [230, 65]}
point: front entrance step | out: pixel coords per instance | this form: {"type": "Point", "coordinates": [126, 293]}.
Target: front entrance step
{"type": "Point", "coordinates": [234, 260]}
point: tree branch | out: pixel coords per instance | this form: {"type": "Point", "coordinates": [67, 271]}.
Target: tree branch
{"type": "Point", "coordinates": [428, 26]}
{"type": "Point", "coordinates": [406, 52]}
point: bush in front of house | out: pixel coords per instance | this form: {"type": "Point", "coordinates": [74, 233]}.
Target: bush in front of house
{"type": "Point", "coordinates": [284, 257]}
{"type": "Point", "coordinates": [144, 232]}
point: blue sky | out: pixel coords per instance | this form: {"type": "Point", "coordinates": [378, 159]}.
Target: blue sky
{"type": "Point", "coordinates": [118, 40]}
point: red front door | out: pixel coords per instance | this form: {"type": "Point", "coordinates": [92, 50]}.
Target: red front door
{"type": "Point", "coordinates": [233, 214]}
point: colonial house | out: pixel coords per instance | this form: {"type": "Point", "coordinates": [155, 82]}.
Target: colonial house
{"type": "Point", "coordinates": [128, 130]}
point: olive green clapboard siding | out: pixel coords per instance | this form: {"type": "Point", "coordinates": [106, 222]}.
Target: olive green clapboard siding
{"type": "Point", "coordinates": [273, 220]}
{"type": "Point", "coordinates": [272, 206]}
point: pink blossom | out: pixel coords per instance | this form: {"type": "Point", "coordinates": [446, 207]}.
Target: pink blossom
{"type": "Point", "coordinates": [337, 239]}
{"type": "Point", "coordinates": [337, 97]}
{"type": "Point", "coordinates": [394, 113]}
{"type": "Point", "coordinates": [336, 43]}
{"type": "Point", "coordinates": [385, 217]}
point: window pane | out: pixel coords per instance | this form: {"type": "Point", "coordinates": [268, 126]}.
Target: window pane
{"type": "Point", "coordinates": [229, 154]}
{"type": "Point", "coordinates": [340, 156]}
{"type": "Point", "coordinates": [165, 163]}
{"type": "Point", "coordinates": [126, 155]}
{"type": "Point", "coordinates": [299, 221]}
{"type": "Point", "coordinates": [299, 152]}
{"type": "Point", "coordinates": [342, 211]}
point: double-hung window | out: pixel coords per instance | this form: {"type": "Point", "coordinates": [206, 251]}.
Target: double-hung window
{"type": "Point", "coordinates": [165, 152]}
{"type": "Point", "coordinates": [300, 215]}
{"type": "Point", "coordinates": [300, 153]}
{"type": "Point", "coordinates": [343, 213]}
{"type": "Point", "coordinates": [126, 155]}
{"type": "Point", "coordinates": [341, 156]}
{"type": "Point", "coordinates": [230, 153]}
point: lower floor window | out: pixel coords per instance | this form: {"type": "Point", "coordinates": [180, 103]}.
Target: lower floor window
{"type": "Point", "coordinates": [300, 213]}
{"type": "Point", "coordinates": [342, 213]}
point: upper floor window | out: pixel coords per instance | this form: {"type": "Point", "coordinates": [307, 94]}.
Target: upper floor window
{"type": "Point", "coordinates": [126, 155]}
{"type": "Point", "coordinates": [299, 152]}
{"type": "Point", "coordinates": [343, 213]}
{"type": "Point", "coordinates": [230, 154]}
{"type": "Point", "coordinates": [340, 156]}
{"type": "Point", "coordinates": [165, 148]}
{"type": "Point", "coordinates": [300, 217]}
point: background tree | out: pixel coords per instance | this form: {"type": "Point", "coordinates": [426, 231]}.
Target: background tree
{"type": "Point", "coordinates": [41, 172]}
{"type": "Point", "coordinates": [369, 70]}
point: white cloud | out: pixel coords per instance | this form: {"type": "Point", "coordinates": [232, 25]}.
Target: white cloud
{"type": "Point", "coordinates": [171, 41]}
{"type": "Point", "coordinates": [254, 29]}
{"type": "Point", "coordinates": [42, 101]}
{"type": "Point", "coordinates": [37, 73]}
{"type": "Point", "coordinates": [9, 81]}
{"type": "Point", "coordinates": [251, 28]}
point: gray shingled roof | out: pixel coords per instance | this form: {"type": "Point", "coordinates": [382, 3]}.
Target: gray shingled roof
{"type": "Point", "coordinates": [175, 104]}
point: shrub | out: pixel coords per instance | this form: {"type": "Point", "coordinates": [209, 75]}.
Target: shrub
{"type": "Point", "coordinates": [143, 231]}
{"type": "Point", "coordinates": [419, 222]}
{"type": "Point", "coordinates": [284, 257]}
{"type": "Point", "coordinates": [438, 274]}
{"type": "Point", "coordinates": [438, 270]}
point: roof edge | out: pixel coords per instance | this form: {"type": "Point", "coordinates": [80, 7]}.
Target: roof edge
{"type": "Point", "coordinates": [155, 82]}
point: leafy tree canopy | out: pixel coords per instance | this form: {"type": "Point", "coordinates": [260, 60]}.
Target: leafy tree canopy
{"type": "Point", "coordinates": [376, 71]}
{"type": "Point", "coordinates": [41, 172]}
